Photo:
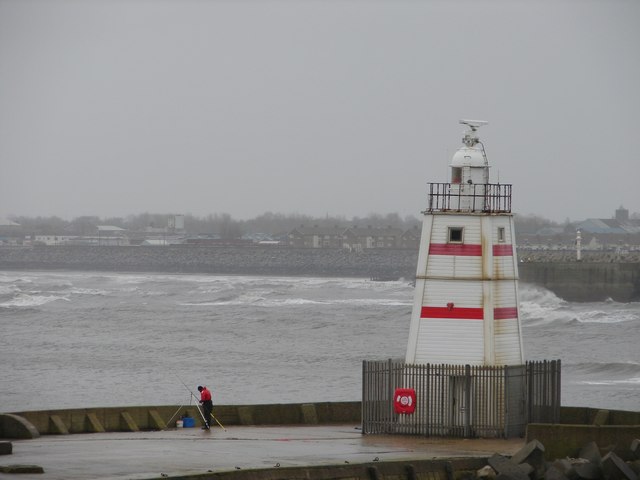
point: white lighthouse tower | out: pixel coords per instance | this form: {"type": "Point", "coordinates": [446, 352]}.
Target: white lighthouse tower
{"type": "Point", "coordinates": [465, 308]}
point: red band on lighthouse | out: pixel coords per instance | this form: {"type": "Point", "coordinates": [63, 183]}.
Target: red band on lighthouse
{"type": "Point", "coordinates": [459, 313]}
{"type": "Point", "coordinates": [503, 313]}
{"type": "Point", "coordinates": [455, 249]}
{"type": "Point", "coordinates": [503, 250]}
{"type": "Point", "coordinates": [468, 250]}
{"type": "Point", "coordinates": [466, 313]}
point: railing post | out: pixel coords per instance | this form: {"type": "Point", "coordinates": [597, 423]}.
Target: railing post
{"type": "Point", "coordinates": [467, 401]}
{"type": "Point", "coordinates": [363, 406]}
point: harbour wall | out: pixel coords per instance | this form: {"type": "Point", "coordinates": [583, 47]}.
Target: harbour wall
{"type": "Point", "coordinates": [598, 277]}
{"type": "Point", "coordinates": [391, 263]}
{"type": "Point", "coordinates": [137, 418]}
{"type": "Point", "coordinates": [585, 282]}
{"type": "Point", "coordinates": [578, 426]}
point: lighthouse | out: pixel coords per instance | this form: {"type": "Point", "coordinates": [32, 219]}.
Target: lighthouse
{"type": "Point", "coordinates": [465, 309]}
{"type": "Point", "coordinates": [464, 373]}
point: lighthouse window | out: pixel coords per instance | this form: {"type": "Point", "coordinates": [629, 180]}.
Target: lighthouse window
{"type": "Point", "coordinates": [455, 234]}
{"type": "Point", "coordinates": [501, 234]}
{"type": "Point", "coordinates": [456, 174]}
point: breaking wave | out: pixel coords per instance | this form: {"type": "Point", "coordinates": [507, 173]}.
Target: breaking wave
{"type": "Point", "coordinates": [30, 301]}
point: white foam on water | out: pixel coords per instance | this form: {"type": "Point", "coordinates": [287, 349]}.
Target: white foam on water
{"type": "Point", "coordinates": [89, 291]}
{"type": "Point", "coordinates": [26, 301]}
{"type": "Point", "coordinates": [9, 289]}
{"type": "Point", "coordinates": [618, 315]}
{"type": "Point", "coordinates": [15, 278]}
{"type": "Point", "coordinates": [628, 381]}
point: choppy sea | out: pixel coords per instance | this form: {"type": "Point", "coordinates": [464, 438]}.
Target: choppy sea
{"type": "Point", "coordinates": [89, 339]}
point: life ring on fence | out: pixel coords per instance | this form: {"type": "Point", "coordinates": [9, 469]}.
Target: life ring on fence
{"type": "Point", "coordinates": [404, 401]}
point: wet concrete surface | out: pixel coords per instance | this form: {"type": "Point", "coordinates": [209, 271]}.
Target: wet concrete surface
{"type": "Point", "coordinates": [184, 451]}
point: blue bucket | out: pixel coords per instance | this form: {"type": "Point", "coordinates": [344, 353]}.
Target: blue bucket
{"type": "Point", "coordinates": [188, 422]}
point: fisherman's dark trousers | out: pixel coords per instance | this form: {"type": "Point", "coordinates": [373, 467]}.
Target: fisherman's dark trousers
{"type": "Point", "coordinates": [207, 408]}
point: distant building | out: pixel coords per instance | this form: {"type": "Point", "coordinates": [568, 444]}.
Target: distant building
{"type": "Point", "coordinates": [353, 238]}
{"type": "Point", "coordinates": [112, 235]}
{"type": "Point", "coordinates": [620, 224]}
{"type": "Point", "coordinates": [258, 237]}
{"type": "Point", "coordinates": [154, 242]}
{"type": "Point", "coordinates": [10, 232]}
{"type": "Point", "coordinates": [52, 239]}
{"type": "Point", "coordinates": [316, 237]}
{"type": "Point", "coordinates": [360, 238]}
{"type": "Point", "coordinates": [410, 239]}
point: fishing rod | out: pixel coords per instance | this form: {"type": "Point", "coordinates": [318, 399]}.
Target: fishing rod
{"type": "Point", "coordinates": [174, 415]}
{"type": "Point", "coordinates": [218, 422]}
{"type": "Point", "coordinates": [198, 407]}
{"type": "Point", "coordinates": [194, 396]}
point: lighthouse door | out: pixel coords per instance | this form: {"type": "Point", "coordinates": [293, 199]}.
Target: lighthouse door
{"type": "Point", "coordinates": [460, 405]}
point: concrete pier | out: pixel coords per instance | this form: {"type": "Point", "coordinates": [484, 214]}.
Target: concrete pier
{"type": "Point", "coordinates": [248, 452]}
{"type": "Point", "coordinates": [318, 441]}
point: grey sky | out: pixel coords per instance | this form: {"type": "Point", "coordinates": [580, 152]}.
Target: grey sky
{"type": "Point", "coordinates": [117, 107]}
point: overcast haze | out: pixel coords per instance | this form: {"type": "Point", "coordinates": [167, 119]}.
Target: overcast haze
{"type": "Point", "coordinates": [112, 108]}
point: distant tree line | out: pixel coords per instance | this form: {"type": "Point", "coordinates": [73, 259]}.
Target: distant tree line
{"type": "Point", "coordinates": [222, 224]}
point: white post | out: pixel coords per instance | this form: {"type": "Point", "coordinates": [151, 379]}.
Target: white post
{"type": "Point", "coordinates": [578, 246]}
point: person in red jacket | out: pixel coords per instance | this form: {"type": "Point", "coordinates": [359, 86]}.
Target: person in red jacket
{"type": "Point", "coordinates": [207, 405]}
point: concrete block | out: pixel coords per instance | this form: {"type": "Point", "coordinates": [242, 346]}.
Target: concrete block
{"type": "Point", "coordinates": [155, 420]}
{"type": "Point", "coordinates": [15, 426]}
{"type": "Point", "coordinates": [128, 423]}
{"type": "Point", "coordinates": [309, 414]}
{"type": "Point", "coordinates": [562, 464]}
{"type": "Point", "coordinates": [6, 448]}
{"type": "Point", "coordinates": [460, 475]}
{"type": "Point", "coordinates": [588, 471]}
{"type": "Point", "coordinates": [565, 466]}
{"type": "Point", "coordinates": [601, 418]}
{"type": "Point", "coordinates": [591, 452]}
{"type": "Point", "coordinates": [562, 441]}
{"type": "Point", "coordinates": [92, 424]}
{"type": "Point", "coordinates": [554, 473]}
{"type": "Point", "coordinates": [635, 448]}
{"type": "Point", "coordinates": [411, 472]}
{"type": "Point", "coordinates": [486, 472]}
{"type": "Point", "coordinates": [58, 426]}
{"type": "Point", "coordinates": [614, 468]}
{"type": "Point", "coordinates": [532, 454]}
{"type": "Point", "coordinates": [21, 469]}
{"type": "Point", "coordinates": [373, 472]}
{"type": "Point", "coordinates": [508, 470]}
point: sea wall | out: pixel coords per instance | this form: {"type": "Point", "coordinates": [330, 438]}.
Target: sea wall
{"type": "Point", "coordinates": [611, 429]}
{"type": "Point", "coordinates": [598, 277]}
{"type": "Point", "coordinates": [578, 426]}
{"type": "Point", "coordinates": [392, 263]}
{"type": "Point", "coordinates": [136, 418]}
{"type": "Point", "coordinates": [581, 282]}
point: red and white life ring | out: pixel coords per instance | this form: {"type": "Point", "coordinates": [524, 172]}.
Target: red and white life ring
{"type": "Point", "coordinates": [404, 401]}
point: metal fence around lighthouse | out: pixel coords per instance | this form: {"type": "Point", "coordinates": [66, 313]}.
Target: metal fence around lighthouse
{"type": "Point", "coordinates": [458, 400]}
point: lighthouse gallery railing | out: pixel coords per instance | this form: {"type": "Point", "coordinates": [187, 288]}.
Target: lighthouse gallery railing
{"type": "Point", "coordinates": [455, 197]}
{"type": "Point", "coordinates": [460, 400]}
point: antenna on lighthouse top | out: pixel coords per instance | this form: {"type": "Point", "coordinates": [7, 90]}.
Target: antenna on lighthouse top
{"type": "Point", "coordinates": [470, 137]}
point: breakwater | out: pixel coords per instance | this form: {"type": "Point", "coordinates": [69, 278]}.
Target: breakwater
{"type": "Point", "coordinates": [598, 277]}
{"type": "Point", "coordinates": [580, 282]}
{"type": "Point", "coordinates": [577, 426]}
{"type": "Point", "coordinates": [257, 260]}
